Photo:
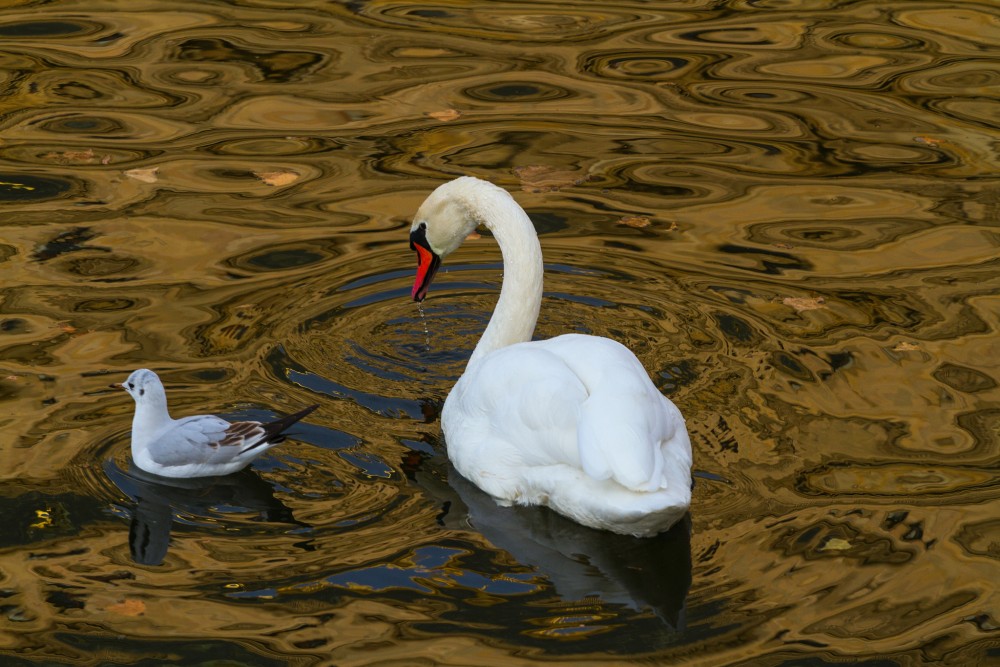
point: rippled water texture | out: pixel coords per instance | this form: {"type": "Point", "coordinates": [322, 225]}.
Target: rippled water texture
{"type": "Point", "coordinates": [787, 208]}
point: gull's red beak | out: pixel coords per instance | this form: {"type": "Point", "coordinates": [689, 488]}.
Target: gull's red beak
{"type": "Point", "coordinates": [117, 385]}
{"type": "Point", "coordinates": [427, 262]}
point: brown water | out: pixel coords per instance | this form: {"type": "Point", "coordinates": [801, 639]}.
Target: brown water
{"type": "Point", "coordinates": [788, 209]}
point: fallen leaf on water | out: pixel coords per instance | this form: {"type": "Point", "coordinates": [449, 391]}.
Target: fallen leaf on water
{"type": "Point", "coordinates": [277, 178]}
{"type": "Point", "coordinates": [637, 221]}
{"type": "Point", "coordinates": [836, 544]}
{"type": "Point", "coordinates": [64, 326]}
{"type": "Point", "coordinates": [446, 115]}
{"type": "Point", "coordinates": [783, 246]}
{"type": "Point", "coordinates": [905, 347]}
{"type": "Point", "coordinates": [801, 303]}
{"type": "Point", "coordinates": [71, 156]}
{"type": "Point", "coordinates": [145, 175]}
{"type": "Point", "coordinates": [128, 607]}
{"type": "Point", "coordinates": [930, 141]}
{"type": "Point", "coordinates": [106, 159]}
{"type": "Point", "coordinates": [543, 178]}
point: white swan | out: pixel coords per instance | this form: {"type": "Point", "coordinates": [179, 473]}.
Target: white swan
{"type": "Point", "coordinates": [572, 422]}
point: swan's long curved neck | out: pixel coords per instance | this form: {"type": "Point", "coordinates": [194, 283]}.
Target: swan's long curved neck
{"type": "Point", "coordinates": [516, 312]}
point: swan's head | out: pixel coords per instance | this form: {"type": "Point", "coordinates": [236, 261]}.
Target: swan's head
{"type": "Point", "coordinates": [443, 221]}
{"type": "Point", "coordinates": [145, 387]}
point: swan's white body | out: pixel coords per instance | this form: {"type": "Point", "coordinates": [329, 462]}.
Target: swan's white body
{"type": "Point", "coordinates": [572, 422]}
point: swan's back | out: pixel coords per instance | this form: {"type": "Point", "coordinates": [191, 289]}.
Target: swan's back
{"type": "Point", "coordinates": [537, 422]}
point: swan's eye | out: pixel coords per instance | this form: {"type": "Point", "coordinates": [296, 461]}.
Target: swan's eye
{"type": "Point", "coordinates": [423, 225]}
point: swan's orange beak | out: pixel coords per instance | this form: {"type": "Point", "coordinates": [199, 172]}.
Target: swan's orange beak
{"type": "Point", "coordinates": [427, 263]}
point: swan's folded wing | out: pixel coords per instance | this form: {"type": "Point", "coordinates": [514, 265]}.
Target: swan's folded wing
{"type": "Point", "coordinates": [627, 429]}
{"type": "Point", "coordinates": [617, 441]}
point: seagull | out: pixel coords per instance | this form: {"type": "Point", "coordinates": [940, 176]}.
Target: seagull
{"type": "Point", "coordinates": [199, 446]}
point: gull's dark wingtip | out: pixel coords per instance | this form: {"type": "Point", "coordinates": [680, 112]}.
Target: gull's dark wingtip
{"type": "Point", "coordinates": [304, 411]}
{"type": "Point", "coordinates": [273, 430]}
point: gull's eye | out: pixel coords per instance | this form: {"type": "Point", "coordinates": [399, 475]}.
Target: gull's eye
{"type": "Point", "coordinates": [131, 386]}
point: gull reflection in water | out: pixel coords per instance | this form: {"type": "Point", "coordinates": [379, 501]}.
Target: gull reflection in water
{"type": "Point", "coordinates": [157, 499]}
{"type": "Point", "coordinates": [581, 562]}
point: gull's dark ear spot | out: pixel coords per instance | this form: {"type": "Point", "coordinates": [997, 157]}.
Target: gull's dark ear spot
{"type": "Point", "coordinates": [142, 392]}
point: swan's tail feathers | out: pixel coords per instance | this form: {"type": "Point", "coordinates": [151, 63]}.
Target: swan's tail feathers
{"type": "Point", "coordinates": [621, 448]}
{"type": "Point", "coordinates": [676, 451]}
{"type": "Point", "coordinates": [677, 447]}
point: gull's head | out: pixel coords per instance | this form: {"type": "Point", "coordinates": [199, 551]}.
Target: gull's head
{"type": "Point", "coordinates": [443, 221]}
{"type": "Point", "coordinates": [144, 386]}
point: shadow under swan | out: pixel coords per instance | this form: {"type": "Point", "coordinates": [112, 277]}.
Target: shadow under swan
{"type": "Point", "coordinates": [581, 562]}
{"type": "Point", "coordinates": [157, 499]}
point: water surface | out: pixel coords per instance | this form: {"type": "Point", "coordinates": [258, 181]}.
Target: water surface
{"type": "Point", "coordinates": [787, 209]}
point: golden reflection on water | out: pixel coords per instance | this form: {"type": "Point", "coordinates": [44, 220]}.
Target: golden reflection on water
{"type": "Point", "coordinates": [787, 209]}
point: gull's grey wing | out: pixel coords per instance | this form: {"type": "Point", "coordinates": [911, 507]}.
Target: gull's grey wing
{"type": "Point", "coordinates": [210, 439]}
{"type": "Point", "coordinates": [204, 439]}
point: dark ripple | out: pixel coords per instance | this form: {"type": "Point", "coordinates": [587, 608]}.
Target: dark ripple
{"type": "Point", "coordinates": [981, 111]}
{"type": "Point", "coordinates": [509, 24]}
{"type": "Point", "coordinates": [103, 305]}
{"type": "Point", "coordinates": [281, 257]}
{"type": "Point", "coordinates": [102, 266]}
{"type": "Point", "coordinates": [113, 89]}
{"type": "Point", "coordinates": [748, 36]}
{"type": "Point", "coordinates": [914, 481]}
{"type": "Point", "coordinates": [644, 65]}
{"type": "Point", "coordinates": [516, 91]}
{"type": "Point", "coordinates": [843, 235]}
{"type": "Point", "coordinates": [826, 539]}
{"type": "Point", "coordinates": [878, 40]}
{"type": "Point", "coordinates": [36, 29]}
{"type": "Point", "coordinates": [966, 74]}
{"type": "Point", "coordinates": [757, 94]}
{"type": "Point", "coordinates": [274, 66]}
{"type": "Point", "coordinates": [276, 145]}
{"type": "Point", "coordinates": [76, 124]}
{"type": "Point", "coordinates": [964, 378]}
{"type": "Point", "coordinates": [20, 187]}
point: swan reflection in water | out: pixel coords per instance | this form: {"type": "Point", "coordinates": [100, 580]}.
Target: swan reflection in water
{"type": "Point", "coordinates": [157, 499]}
{"type": "Point", "coordinates": [580, 562]}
